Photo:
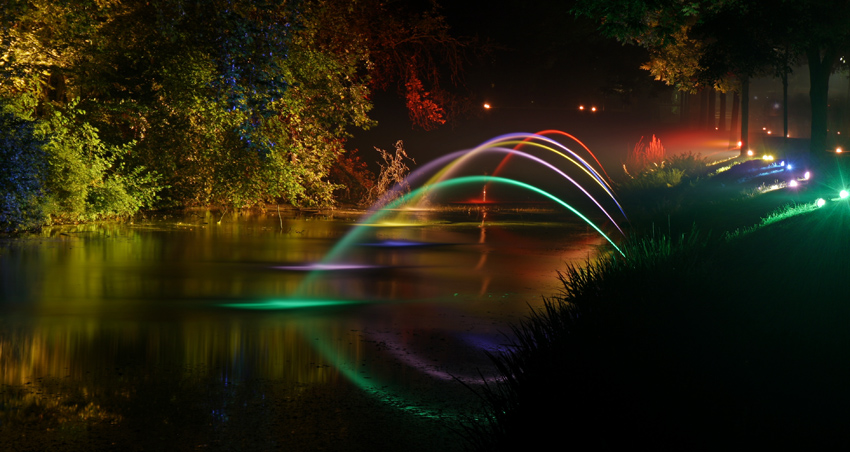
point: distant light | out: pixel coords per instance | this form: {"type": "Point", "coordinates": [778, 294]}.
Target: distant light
{"type": "Point", "coordinates": [782, 163]}
{"type": "Point", "coordinates": [486, 106]}
{"type": "Point", "coordinates": [767, 157]}
{"type": "Point", "coordinates": [843, 194]}
{"type": "Point", "coordinates": [806, 175]}
{"type": "Point", "coordinates": [769, 132]}
{"type": "Point", "coordinates": [789, 167]}
{"type": "Point", "coordinates": [749, 152]}
{"type": "Point", "coordinates": [839, 150]}
{"type": "Point", "coordinates": [792, 183]}
{"type": "Point", "coordinates": [820, 202]}
{"type": "Point", "coordinates": [764, 128]}
{"type": "Point", "coordinates": [581, 107]}
{"type": "Point", "coordinates": [592, 108]}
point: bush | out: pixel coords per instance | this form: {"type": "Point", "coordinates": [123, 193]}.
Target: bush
{"type": "Point", "coordinates": [668, 173]}
{"type": "Point", "coordinates": [59, 170]}
{"type": "Point", "coordinates": [392, 179]}
{"type": "Point", "coordinates": [352, 178]}
{"type": "Point", "coordinates": [22, 175]}
{"type": "Point", "coordinates": [86, 178]}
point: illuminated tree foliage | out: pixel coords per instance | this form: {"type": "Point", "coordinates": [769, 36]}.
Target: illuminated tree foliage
{"type": "Point", "coordinates": [228, 102]}
{"type": "Point", "coordinates": [405, 48]}
{"type": "Point", "coordinates": [22, 170]}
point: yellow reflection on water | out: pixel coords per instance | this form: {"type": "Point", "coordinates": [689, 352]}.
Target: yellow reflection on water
{"type": "Point", "coordinates": [95, 319]}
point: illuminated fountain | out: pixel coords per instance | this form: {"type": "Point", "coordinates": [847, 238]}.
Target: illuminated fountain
{"type": "Point", "coordinates": [572, 175]}
{"type": "Point", "coordinates": [444, 174]}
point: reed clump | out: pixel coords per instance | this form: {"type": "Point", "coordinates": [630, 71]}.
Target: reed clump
{"type": "Point", "coordinates": [688, 343]}
{"type": "Point", "coordinates": [582, 356]}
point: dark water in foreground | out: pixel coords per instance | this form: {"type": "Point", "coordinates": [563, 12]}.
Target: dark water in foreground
{"type": "Point", "coordinates": [139, 337]}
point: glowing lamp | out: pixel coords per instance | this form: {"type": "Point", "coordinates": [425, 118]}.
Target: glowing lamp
{"type": "Point", "coordinates": [792, 184]}
{"type": "Point", "coordinates": [766, 157]}
{"type": "Point", "coordinates": [592, 108]}
{"type": "Point", "coordinates": [740, 143]}
{"type": "Point", "coordinates": [843, 194]}
{"type": "Point", "coordinates": [486, 106]}
{"type": "Point", "coordinates": [806, 175]}
{"type": "Point", "coordinates": [839, 150]}
{"type": "Point", "coordinates": [749, 152]}
{"type": "Point", "coordinates": [769, 132]}
{"type": "Point", "coordinates": [820, 202]}
{"type": "Point", "coordinates": [581, 107]}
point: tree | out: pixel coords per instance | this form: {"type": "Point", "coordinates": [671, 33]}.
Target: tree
{"type": "Point", "coordinates": [742, 37]}
{"type": "Point", "coordinates": [229, 102]}
{"type": "Point", "coordinates": [402, 47]}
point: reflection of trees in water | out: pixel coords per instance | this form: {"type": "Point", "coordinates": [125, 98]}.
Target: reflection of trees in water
{"type": "Point", "coordinates": [62, 381]}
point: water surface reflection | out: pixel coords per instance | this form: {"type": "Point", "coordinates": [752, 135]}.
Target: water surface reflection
{"type": "Point", "coordinates": [127, 333]}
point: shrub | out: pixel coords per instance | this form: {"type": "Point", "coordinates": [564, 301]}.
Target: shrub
{"type": "Point", "coordinates": [87, 178]}
{"type": "Point", "coordinates": [643, 156]}
{"type": "Point", "coordinates": [667, 173]}
{"type": "Point", "coordinates": [391, 182]}
{"type": "Point", "coordinates": [352, 178]}
{"type": "Point", "coordinates": [22, 174]}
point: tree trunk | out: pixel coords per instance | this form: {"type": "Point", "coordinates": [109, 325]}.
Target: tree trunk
{"type": "Point", "coordinates": [785, 104]}
{"type": "Point", "coordinates": [820, 66]}
{"type": "Point", "coordinates": [703, 108]}
{"type": "Point", "coordinates": [712, 112]}
{"type": "Point", "coordinates": [722, 123]}
{"type": "Point", "coordinates": [733, 125]}
{"type": "Point", "coordinates": [745, 115]}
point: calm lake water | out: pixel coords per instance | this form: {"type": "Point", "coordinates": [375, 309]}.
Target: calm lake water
{"type": "Point", "coordinates": [179, 332]}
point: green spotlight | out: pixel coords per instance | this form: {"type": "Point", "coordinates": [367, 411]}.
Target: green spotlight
{"type": "Point", "coordinates": [820, 202]}
{"type": "Point", "coordinates": [843, 194]}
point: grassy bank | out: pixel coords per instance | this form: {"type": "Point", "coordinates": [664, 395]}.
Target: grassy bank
{"type": "Point", "coordinates": [703, 340]}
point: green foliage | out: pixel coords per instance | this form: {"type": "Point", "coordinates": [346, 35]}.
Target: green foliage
{"type": "Point", "coordinates": [659, 177]}
{"type": "Point", "coordinates": [671, 172]}
{"type": "Point", "coordinates": [59, 170]}
{"type": "Point", "coordinates": [22, 174]}
{"type": "Point", "coordinates": [235, 103]}
{"type": "Point", "coordinates": [86, 178]}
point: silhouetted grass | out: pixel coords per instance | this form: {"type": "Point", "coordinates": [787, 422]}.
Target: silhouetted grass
{"type": "Point", "coordinates": [696, 342]}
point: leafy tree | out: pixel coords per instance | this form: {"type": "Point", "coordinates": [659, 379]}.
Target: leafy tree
{"type": "Point", "coordinates": [88, 179]}
{"type": "Point", "coordinates": [402, 47]}
{"type": "Point", "coordinates": [744, 38]}
{"type": "Point", "coordinates": [231, 102]}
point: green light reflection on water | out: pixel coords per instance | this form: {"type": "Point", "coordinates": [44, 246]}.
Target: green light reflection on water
{"type": "Point", "coordinates": [289, 304]}
{"type": "Point", "coordinates": [368, 383]}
